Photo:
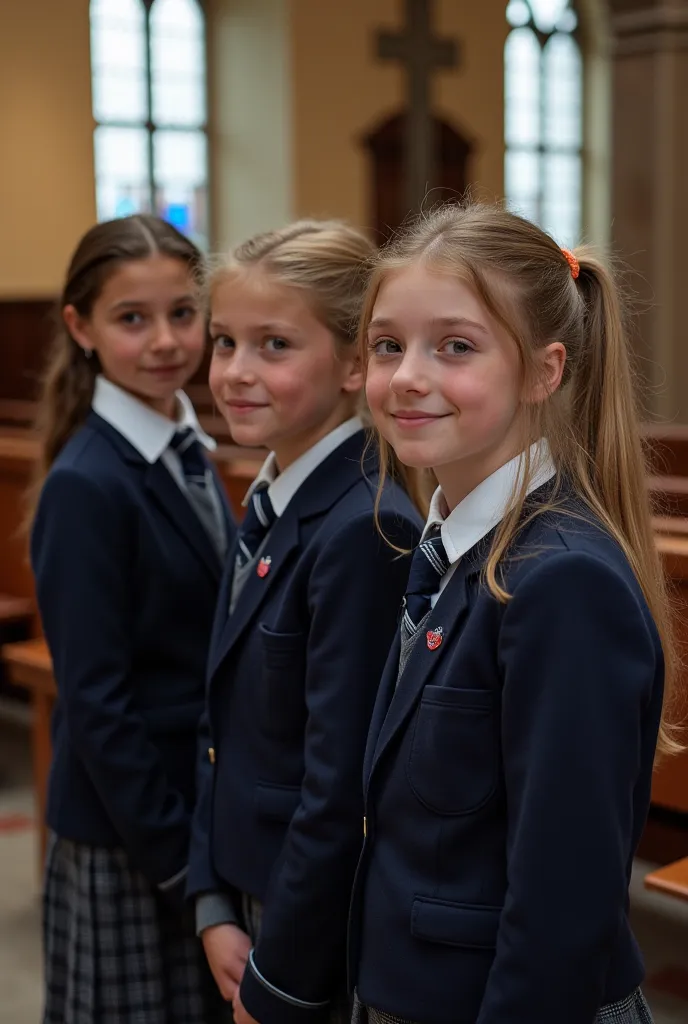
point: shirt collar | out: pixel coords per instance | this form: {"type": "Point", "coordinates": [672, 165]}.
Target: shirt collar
{"type": "Point", "coordinates": [485, 507]}
{"type": "Point", "coordinates": [144, 428]}
{"type": "Point", "coordinates": [283, 486]}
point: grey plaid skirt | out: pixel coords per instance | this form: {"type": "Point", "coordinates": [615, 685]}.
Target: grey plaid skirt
{"type": "Point", "coordinates": [632, 1010]}
{"type": "Point", "coordinates": [114, 952]}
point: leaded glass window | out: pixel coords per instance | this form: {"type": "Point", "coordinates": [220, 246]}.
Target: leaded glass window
{"type": "Point", "coordinates": [543, 77]}
{"type": "Point", "coordinates": [149, 103]}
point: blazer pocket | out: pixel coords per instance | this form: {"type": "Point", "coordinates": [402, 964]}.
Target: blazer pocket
{"type": "Point", "coordinates": [467, 925]}
{"type": "Point", "coordinates": [281, 697]}
{"type": "Point", "coordinates": [453, 760]}
{"type": "Point", "coordinates": [275, 802]}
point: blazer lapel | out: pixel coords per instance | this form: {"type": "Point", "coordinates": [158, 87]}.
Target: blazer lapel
{"type": "Point", "coordinates": [447, 615]}
{"type": "Point", "coordinates": [168, 496]}
{"type": "Point", "coordinates": [284, 537]}
{"type": "Point", "coordinates": [383, 701]}
{"type": "Point", "coordinates": [340, 471]}
{"type": "Point", "coordinates": [228, 515]}
{"type": "Point", "coordinates": [176, 506]}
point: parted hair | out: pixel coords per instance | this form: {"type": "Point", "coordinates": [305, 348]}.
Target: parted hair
{"type": "Point", "coordinates": [591, 421]}
{"type": "Point", "coordinates": [69, 377]}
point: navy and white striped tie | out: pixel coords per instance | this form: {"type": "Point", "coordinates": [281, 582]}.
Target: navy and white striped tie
{"type": "Point", "coordinates": [200, 486]}
{"type": "Point", "coordinates": [260, 515]}
{"type": "Point", "coordinates": [188, 448]}
{"type": "Point", "coordinates": [428, 566]}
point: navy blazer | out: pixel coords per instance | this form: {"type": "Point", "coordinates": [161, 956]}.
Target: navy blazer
{"type": "Point", "coordinates": [507, 784]}
{"type": "Point", "coordinates": [127, 579]}
{"type": "Point", "coordinates": [293, 677]}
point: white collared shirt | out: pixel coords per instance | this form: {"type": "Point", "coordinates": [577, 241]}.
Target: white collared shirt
{"type": "Point", "coordinates": [484, 508]}
{"type": "Point", "coordinates": [150, 433]}
{"type": "Point", "coordinates": [283, 486]}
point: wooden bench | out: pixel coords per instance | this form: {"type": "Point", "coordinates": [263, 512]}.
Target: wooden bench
{"type": "Point", "coordinates": [16, 622]}
{"type": "Point", "coordinates": [30, 668]}
{"type": "Point", "coordinates": [671, 880]}
{"type": "Point", "coordinates": [15, 611]}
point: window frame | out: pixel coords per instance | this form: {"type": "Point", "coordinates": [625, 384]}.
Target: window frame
{"type": "Point", "coordinates": [151, 126]}
{"type": "Point", "coordinates": [543, 149]}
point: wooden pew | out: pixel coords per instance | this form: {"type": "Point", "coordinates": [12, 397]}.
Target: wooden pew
{"type": "Point", "coordinates": [670, 783]}
{"type": "Point", "coordinates": [30, 668]}
{"type": "Point", "coordinates": [671, 880]}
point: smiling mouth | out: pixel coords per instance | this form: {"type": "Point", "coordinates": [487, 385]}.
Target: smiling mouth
{"type": "Point", "coordinates": [416, 418]}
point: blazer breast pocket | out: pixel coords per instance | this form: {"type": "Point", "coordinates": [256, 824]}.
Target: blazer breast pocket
{"type": "Point", "coordinates": [452, 765]}
{"type": "Point", "coordinates": [281, 697]}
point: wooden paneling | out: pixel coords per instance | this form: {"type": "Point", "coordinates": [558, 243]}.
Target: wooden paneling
{"type": "Point", "coordinates": [17, 456]}
{"type": "Point", "coordinates": [386, 146]}
{"type": "Point", "coordinates": [26, 329]}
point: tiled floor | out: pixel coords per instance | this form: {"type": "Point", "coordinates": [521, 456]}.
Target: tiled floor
{"type": "Point", "coordinates": [661, 924]}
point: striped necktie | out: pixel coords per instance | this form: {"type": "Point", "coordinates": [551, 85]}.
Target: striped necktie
{"type": "Point", "coordinates": [188, 448]}
{"type": "Point", "coordinates": [428, 566]}
{"type": "Point", "coordinates": [260, 515]}
{"type": "Point", "coordinates": [200, 486]}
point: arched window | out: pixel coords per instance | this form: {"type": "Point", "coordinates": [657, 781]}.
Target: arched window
{"type": "Point", "coordinates": [543, 79]}
{"type": "Point", "coordinates": [148, 70]}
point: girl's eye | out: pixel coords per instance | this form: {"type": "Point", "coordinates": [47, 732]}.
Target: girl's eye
{"type": "Point", "coordinates": [223, 342]}
{"type": "Point", "coordinates": [455, 347]}
{"type": "Point", "coordinates": [276, 344]}
{"type": "Point", "coordinates": [386, 347]}
{"type": "Point", "coordinates": [131, 318]}
{"type": "Point", "coordinates": [184, 313]}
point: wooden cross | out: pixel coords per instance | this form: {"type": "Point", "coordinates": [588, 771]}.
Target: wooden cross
{"type": "Point", "coordinates": [420, 53]}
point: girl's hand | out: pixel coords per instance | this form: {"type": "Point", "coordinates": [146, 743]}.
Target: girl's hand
{"type": "Point", "coordinates": [227, 949]}
{"type": "Point", "coordinates": [241, 1015]}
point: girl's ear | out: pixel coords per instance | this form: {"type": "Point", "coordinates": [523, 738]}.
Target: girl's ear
{"type": "Point", "coordinates": [551, 359]}
{"type": "Point", "coordinates": [78, 328]}
{"type": "Point", "coordinates": [354, 376]}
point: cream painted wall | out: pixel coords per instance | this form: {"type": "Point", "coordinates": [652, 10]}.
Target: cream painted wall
{"type": "Point", "coordinates": [47, 192]}
{"type": "Point", "coordinates": [341, 90]}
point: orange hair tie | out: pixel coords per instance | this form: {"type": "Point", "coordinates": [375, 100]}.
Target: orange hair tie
{"type": "Point", "coordinates": [573, 263]}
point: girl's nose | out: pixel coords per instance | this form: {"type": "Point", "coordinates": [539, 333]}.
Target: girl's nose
{"type": "Point", "coordinates": [410, 375]}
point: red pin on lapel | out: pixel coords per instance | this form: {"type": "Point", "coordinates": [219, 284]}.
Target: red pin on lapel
{"type": "Point", "coordinates": [263, 567]}
{"type": "Point", "coordinates": [434, 638]}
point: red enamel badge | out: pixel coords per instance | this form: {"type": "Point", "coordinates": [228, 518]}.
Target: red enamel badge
{"type": "Point", "coordinates": [264, 567]}
{"type": "Point", "coordinates": [434, 638]}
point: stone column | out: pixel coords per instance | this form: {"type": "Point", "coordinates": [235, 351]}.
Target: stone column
{"type": "Point", "coordinates": [650, 187]}
{"type": "Point", "coordinates": [251, 117]}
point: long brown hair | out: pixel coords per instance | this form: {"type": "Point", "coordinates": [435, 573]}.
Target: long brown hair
{"type": "Point", "coordinates": [591, 422]}
{"type": "Point", "coordinates": [69, 377]}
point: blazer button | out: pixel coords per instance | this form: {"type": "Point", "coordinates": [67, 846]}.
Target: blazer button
{"type": "Point", "coordinates": [211, 755]}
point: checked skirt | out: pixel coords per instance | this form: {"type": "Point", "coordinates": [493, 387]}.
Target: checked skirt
{"type": "Point", "coordinates": [632, 1010]}
{"type": "Point", "coordinates": [114, 952]}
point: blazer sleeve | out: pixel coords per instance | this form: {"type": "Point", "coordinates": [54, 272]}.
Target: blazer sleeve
{"type": "Point", "coordinates": [579, 661]}
{"type": "Point", "coordinates": [355, 590]}
{"type": "Point", "coordinates": [82, 552]}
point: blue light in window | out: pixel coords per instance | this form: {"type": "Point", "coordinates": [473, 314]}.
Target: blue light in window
{"type": "Point", "coordinates": [179, 216]}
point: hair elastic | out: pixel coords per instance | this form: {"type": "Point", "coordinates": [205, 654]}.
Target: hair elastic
{"type": "Point", "coordinates": [573, 263]}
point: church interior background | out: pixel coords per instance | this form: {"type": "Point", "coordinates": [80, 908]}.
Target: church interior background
{"type": "Point", "coordinates": [232, 116]}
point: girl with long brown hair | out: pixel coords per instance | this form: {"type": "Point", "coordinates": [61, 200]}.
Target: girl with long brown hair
{"type": "Point", "coordinates": [127, 544]}
{"type": "Point", "coordinates": [510, 759]}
